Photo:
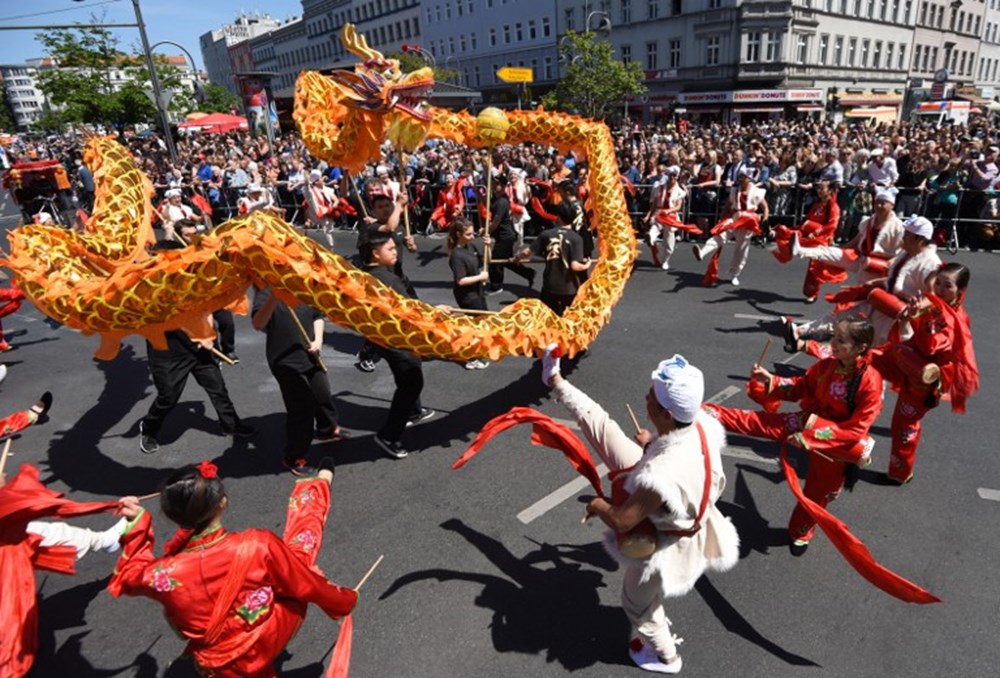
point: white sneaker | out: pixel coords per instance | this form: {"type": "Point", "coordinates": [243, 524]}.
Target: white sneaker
{"type": "Point", "coordinates": [866, 456]}
{"type": "Point", "coordinates": [735, 281]}
{"type": "Point", "coordinates": [3, 372]}
{"type": "Point", "coordinates": [665, 266]}
{"type": "Point", "coordinates": [654, 235]}
{"type": "Point", "coordinates": [647, 660]}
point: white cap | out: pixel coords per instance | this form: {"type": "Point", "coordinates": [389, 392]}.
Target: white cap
{"type": "Point", "coordinates": [876, 152]}
{"type": "Point", "coordinates": [173, 193]}
{"type": "Point", "coordinates": [381, 169]}
{"type": "Point", "coordinates": [315, 175]}
{"type": "Point", "coordinates": [920, 226]}
{"type": "Point", "coordinates": [679, 388]}
{"type": "Point", "coordinates": [44, 219]}
{"type": "Point", "coordinates": [254, 188]}
{"type": "Point", "coordinates": [886, 194]}
{"type": "Point", "coordinates": [673, 171]}
{"type": "Point", "coordinates": [746, 172]}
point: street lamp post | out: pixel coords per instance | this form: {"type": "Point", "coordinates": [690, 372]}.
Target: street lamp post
{"type": "Point", "coordinates": [154, 80]}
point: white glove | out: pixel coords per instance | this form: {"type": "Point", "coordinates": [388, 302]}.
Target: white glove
{"type": "Point", "coordinates": [550, 363]}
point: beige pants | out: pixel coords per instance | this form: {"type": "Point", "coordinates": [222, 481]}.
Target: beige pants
{"type": "Point", "coordinates": [741, 254]}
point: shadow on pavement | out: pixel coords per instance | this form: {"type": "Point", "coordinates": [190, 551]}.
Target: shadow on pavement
{"type": "Point", "coordinates": [545, 602]}
{"type": "Point", "coordinates": [734, 622]}
{"type": "Point", "coordinates": [756, 532]}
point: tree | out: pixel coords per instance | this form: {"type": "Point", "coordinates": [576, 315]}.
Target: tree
{"type": "Point", "coordinates": [7, 122]}
{"type": "Point", "coordinates": [86, 85]}
{"type": "Point", "coordinates": [594, 81]}
{"type": "Point", "coordinates": [217, 99]}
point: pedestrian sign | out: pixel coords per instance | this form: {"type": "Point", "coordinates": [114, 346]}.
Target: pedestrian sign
{"type": "Point", "coordinates": [515, 74]}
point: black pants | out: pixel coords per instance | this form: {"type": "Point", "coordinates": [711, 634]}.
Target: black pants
{"type": "Point", "coordinates": [226, 331]}
{"type": "Point", "coordinates": [308, 405]}
{"type": "Point", "coordinates": [557, 302]}
{"type": "Point", "coordinates": [503, 248]}
{"type": "Point", "coordinates": [409, 377]}
{"type": "Point", "coordinates": [170, 371]}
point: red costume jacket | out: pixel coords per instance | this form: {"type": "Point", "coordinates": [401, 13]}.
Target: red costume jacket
{"type": "Point", "coordinates": [22, 500]}
{"type": "Point", "coordinates": [266, 604]}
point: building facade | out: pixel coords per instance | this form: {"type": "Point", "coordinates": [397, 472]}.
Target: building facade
{"type": "Point", "coordinates": [987, 79]}
{"type": "Point", "coordinates": [215, 46]}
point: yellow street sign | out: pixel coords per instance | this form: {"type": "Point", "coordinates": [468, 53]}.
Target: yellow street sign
{"type": "Point", "coordinates": [514, 74]}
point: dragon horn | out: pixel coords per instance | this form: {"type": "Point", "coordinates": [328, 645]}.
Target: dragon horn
{"type": "Point", "coordinates": [356, 44]}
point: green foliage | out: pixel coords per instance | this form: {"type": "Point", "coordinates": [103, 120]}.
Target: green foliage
{"type": "Point", "coordinates": [594, 82]}
{"type": "Point", "coordinates": [96, 83]}
{"type": "Point", "coordinates": [411, 61]}
{"type": "Point", "coordinates": [218, 99]}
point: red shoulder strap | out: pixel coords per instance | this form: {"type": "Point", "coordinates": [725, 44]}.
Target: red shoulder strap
{"type": "Point", "coordinates": [705, 489]}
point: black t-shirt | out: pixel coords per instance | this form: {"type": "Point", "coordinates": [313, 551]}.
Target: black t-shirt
{"type": "Point", "coordinates": [389, 277]}
{"type": "Point", "coordinates": [368, 230]}
{"type": "Point", "coordinates": [285, 345]}
{"type": "Point", "coordinates": [559, 246]}
{"type": "Point", "coordinates": [501, 224]}
{"type": "Point", "coordinates": [466, 261]}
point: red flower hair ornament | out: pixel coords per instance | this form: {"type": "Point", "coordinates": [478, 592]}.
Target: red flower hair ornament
{"type": "Point", "coordinates": [208, 470]}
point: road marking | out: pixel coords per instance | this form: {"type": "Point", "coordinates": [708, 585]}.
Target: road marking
{"type": "Point", "coordinates": [747, 454]}
{"type": "Point", "coordinates": [570, 489]}
{"type": "Point", "coordinates": [751, 316]}
{"type": "Point", "coordinates": [789, 359]}
{"type": "Point", "coordinates": [25, 318]}
{"type": "Point", "coordinates": [992, 495]}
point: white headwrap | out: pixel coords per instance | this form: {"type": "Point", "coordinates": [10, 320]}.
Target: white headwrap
{"type": "Point", "coordinates": [315, 174]}
{"type": "Point", "coordinates": [887, 194]}
{"type": "Point", "coordinates": [254, 188]}
{"type": "Point", "coordinates": [173, 193]}
{"type": "Point", "coordinates": [679, 387]}
{"type": "Point", "coordinates": [920, 226]}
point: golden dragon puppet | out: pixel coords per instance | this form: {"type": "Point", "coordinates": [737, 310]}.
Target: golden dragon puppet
{"type": "Point", "coordinates": [103, 281]}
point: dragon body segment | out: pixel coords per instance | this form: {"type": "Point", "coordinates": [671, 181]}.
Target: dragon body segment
{"type": "Point", "coordinates": [103, 282]}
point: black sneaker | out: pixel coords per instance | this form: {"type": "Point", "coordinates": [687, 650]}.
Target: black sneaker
{"type": "Point", "coordinates": [326, 464]}
{"type": "Point", "coordinates": [148, 444]}
{"type": "Point", "coordinates": [235, 358]}
{"type": "Point", "coordinates": [244, 430]}
{"type": "Point", "coordinates": [300, 467]}
{"type": "Point", "coordinates": [337, 436]}
{"type": "Point", "coordinates": [365, 365]}
{"type": "Point", "coordinates": [394, 449]}
{"type": "Point", "coordinates": [424, 414]}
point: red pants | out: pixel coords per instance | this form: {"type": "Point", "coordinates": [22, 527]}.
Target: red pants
{"type": "Point", "coordinates": [905, 435]}
{"type": "Point", "coordinates": [18, 421]}
{"type": "Point", "coordinates": [824, 479]}
{"type": "Point", "coordinates": [818, 273]}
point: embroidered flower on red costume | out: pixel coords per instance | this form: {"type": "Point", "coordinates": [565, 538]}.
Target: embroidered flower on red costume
{"type": "Point", "coordinates": [208, 470]}
{"type": "Point", "coordinates": [256, 603]}
{"type": "Point", "coordinates": [161, 580]}
{"type": "Point", "coordinates": [792, 422]}
{"type": "Point", "coordinates": [306, 539]}
{"type": "Point", "coordinates": [838, 390]}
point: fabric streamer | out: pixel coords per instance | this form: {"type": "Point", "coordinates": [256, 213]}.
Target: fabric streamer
{"type": "Point", "coordinates": [853, 549]}
{"type": "Point", "coordinates": [340, 663]}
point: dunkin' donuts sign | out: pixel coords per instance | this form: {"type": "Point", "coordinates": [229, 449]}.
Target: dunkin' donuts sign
{"type": "Point", "coordinates": [749, 96]}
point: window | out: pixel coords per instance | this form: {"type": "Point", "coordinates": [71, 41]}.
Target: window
{"type": "Point", "coordinates": [857, 8]}
{"type": "Point", "coordinates": [651, 64]}
{"type": "Point", "coordinates": [712, 51]}
{"type": "Point", "coordinates": [506, 34]}
{"type": "Point", "coordinates": [877, 55]}
{"type": "Point", "coordinates": [907, 9]}
{"type": "Point", "coordinates": [883, 5]}
{"type": "Point", "coordinates": [459, 8]}
{"type": "Point", "coordinates": [978, 24]}
{"type": "Point", "coordinates": [626, 53]}
{"type": "Point", "coordinates": [473, 41]}
{"type": "Point", "coordinates": [493, 37]}
{"type": "Point", "coordinates": [546, 27]}
{"type": "Point", "coordinates": [626, 11]}
{"type": "Point", "coordinates": [824, 48]}
{"type": "Point", "coordinates": [774, 47]}
{"type": "Point", "coordinates": [852, 51]}
{"type": "Point", "coordinates": [865, 49]}
{"type": "Point", "coordinates": [675, 7]}
{"type": "Point", "coordinates": [675, 53]}
{"type": "Point", "coordinates": [802, 48]}
{"type": "Point", "coordinates": [843, 7]}
{"type": "Point", "coordinates": [838, 51]}
{"type": "Point", "coordinates": [532, 30]}
{"type": "Point", "coordinates": [548, 68]}
{"type": "Point", "coordinates": [714, 4]}
{"type": "Point", "coordinates": [923, 13]}
{"type": "Point", "coordinates": [961, 64]}
{"type": "Point", "coordinates": [461, 42]}
{"type": "Point", "coordinates": [889, 49]}
{"type": "Point", "coordinates": [477, 74]}
{"type": "Point", "coordinates": [753, 47]}
{"type": "Point", "coordinates": [652, 9]}
{"type": "Point", "coordinates": [569, 14]}
{"type": "Point", "coordinates": [518, 32]}
{"type": "Point", "coordinates": [451, 44]}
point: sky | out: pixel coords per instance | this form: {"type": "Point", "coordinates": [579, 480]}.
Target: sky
{"type": "Point", "coordinates": [181, 21]}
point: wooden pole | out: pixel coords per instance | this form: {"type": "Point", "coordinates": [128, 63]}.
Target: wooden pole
{"type": "Point", "coordinates": [222, 356]}
{"type": "Point", "coordinates": [144, 497]}
{"type": "Point", "coordinates": [6, 453]}
{"type": "Point", "coordinates": [635, 422]}
{"type": "Point", "coordinates": [763, 354]}
{"type": "Point", "coordinates": [361, 201]}
{"type": "Point", "coordinates": [489, 205]}
{"type": "Point", "coordinates": [472, 311]}
{"type": "Point", "coordinates": [402, 187]}
{"type": "Point", "coordinates": [368, 573]}
{"type": "Point", "coordinates": [305, 337]}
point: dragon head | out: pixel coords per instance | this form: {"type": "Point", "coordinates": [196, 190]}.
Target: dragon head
{"type": "Point", "coordinates": [377, 84]}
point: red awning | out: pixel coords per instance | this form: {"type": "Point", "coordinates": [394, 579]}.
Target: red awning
{"type": "Point", "coordinates": [216, 123]}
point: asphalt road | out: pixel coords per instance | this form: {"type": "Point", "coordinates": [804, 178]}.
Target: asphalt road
{"type": "Point", "coordinates": [469, 589]}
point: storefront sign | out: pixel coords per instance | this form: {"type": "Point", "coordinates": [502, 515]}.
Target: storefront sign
{"type": "Point", "coordinates": [751, 96]}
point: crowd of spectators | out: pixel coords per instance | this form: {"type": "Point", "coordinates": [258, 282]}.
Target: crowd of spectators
{"type": "Point", "coordinates": [948, 173]}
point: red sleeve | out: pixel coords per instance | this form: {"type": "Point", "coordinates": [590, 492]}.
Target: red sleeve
{"type": "Point", "coordinates": [932, 334]}
{"type": "Point", "coordinates": [136, 556]}
{"type": "Point", "coordinates": [295, 579]}
{"type": "Point", "coordinates": [867, 406]}
{"type": "Point", "coordinates": [789, 388]}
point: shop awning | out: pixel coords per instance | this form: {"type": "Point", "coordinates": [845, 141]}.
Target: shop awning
{"type": "Point", "coordinates": [758, 109]}
{"type": "Point", "coordinates": [972, 98]}
{"type": "Point", "coordinates": [809, 108]}
{"type": "Point", "coordinates": [871, 101]}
